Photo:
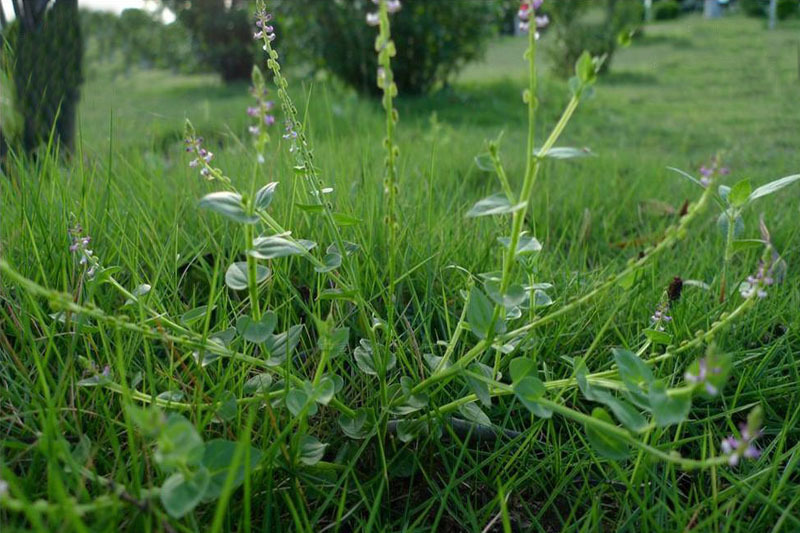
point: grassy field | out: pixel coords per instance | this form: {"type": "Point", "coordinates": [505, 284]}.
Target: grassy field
{"type": "Point", "coordinates": [685, 92]}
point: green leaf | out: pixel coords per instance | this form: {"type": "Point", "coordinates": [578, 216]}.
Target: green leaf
{"type": "Point", "coordinates": [258, 384]}
{"type": "Point", "coordinates": [218, 457]}
{"type": "Point", "coordinates": [658, 337]}
{"type": "Point", "coordinates": [227, 409]}
{"type": "Point", "coordinates": [585, 68]}
{"type": "Point", "coordinates": [740, 193]}
{"type": "Point", "coordinates": [179, 494]}
{"type": "Point", "coordinates": [228, 204]}
{"type": "Point", "coordinates": [479, 313]}
{"type": "Point", "coordinates": [625, 412]}
{"type": "Point", "coordinates": [773, 186]}
{"type": "Point", "coordinates": [311, 450]}
{"type": "Point", "coordinates": [275, 246]}
{"type": "Point", "coordinates": [178, 443]}
{"type": "Point", "coordinates": [606, 443]}
{"type": "Point", "coordinates": [742, 245]}
{"type": "Point", "coordinates": [137, 293]}
{"type": "Point", "coordinates": [564, 152]}
{"type": "Point", "coordinates": [368, 361]}
{"type": "Point", "coordinates": [525, 245]}
{"type": "Point", "coordinates": [484, 162]}
{"type": "Point", "coordinates": [344, 220]}
{"type": "Point", "coordinates": [722, 225]}
{"type": "Point", "coordinates": [330, 262]}
{"type": "Point", "coordinates": [264, 195]}
{"type": "Point", "coordinates": [193, 315]}
{"type": "Point", "coordinates": [355, 427]}
{"type": "Point", "coordinates": [668, 410]}
{"type": "Point", "coordinates": [520, 367]}
{"type": "Point", "coordinates": [296, 400]}
{"type": "Point", "coordinates": [257, 332]}
{"type": "Point", "coordinates": [496, 204]}
{"type": "Point", "coordinates": [236, 275]}
{"type": "Point", "coordinates": [479, 387]}
{"type": "Point", "coordinates": [632, 369]}
{"type": "Point", "coordinates": [324, 391]}
{"type": "Point", "coordinates": [281, 345]}
{"type": "Point", "coordinates": [473, 413]}
{"type": "Point", "coordinates": [528, 390]}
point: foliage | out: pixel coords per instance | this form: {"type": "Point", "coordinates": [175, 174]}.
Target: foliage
{"type": "Point", "coordinates": [47, 55]}
{"type": "Point", "coordinates": [666, 10]}
{"type": "Point", "coordinates": [434, 39]}
{"type": "Point", "coordinates": [137, 38]}
{"type": "Point", "coordinates": [579, 25]}
{"type": "Point", "coordinates": [400, 431]}
{"type": "Point", "coordinates": [221, 32]}
{"type": "Point", "coordinates": [760, 8]}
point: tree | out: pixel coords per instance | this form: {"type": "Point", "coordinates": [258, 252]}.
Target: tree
{"type": "Point", "coordinates": [43, 52]}
{"type": "Point", "coordinates": [222, 32]}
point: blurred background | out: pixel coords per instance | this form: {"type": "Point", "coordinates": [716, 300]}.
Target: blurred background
{"type": "Point", "coordinates": [131, 70]}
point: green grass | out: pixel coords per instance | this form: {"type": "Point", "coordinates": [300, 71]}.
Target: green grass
{"type": "Point", "coordinates": [684, 92]}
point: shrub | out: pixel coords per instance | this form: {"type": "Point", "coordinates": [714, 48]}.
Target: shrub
{"type": "Point", "coordinates": [434, 39]}
{"type": "Point", "coordinates": [760, 8]}
{"type": "Point", "coordinates": [221, 35]}
{"type": "Point", "coordinates": [666, 10]}
{"type": "Point", "coordinates": [786, 8]}
{"type": "Point", "coordinates": [579, 25]}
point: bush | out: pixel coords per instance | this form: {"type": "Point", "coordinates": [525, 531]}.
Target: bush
{"type": "Point", "coordinates": [434, 39]}
{"type": "Point", "coordinates": [666, 10]}
{"type": "Point", "coordinates": [760, 8]}
{"type": "Point", "coordinates": [222, 35]}
{"type": "Point", "coordinates": [579, 25]}
{"type": "Point", "coordinates": [786, 8]}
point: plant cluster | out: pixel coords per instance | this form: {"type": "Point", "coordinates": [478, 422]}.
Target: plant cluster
{"type": "Point", "coordinates": [487, 358]}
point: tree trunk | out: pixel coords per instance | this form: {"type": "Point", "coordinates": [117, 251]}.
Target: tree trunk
{"type": "Point", "coordinates": [773, 13]}
{"type": "Point", "coordinates": [712, 9]}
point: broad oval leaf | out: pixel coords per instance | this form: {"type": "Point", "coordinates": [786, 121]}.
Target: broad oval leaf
{"type": "Point", "coordinates": [180, 494]}
{"type": "Point", "coordinates": [668, 410]}
{"type": "Point", "coordinates": [218, 458]}
{"type": "Point", "coordinates": [606, 443]}
{"type": "Point", "coordinates": [236, 275]}
{"type": "Point", "coordinates": [496, 204]}
{"type": "Point", "coordinates": [330, 262]}
{"type": "Point", "coordinates": [473, 413]}
{"type": "Point", "coordinates": [274, 246]}
{"type": "Point", "coordinates": [228, 204]}
{"type": "Point", "coordinates": [311, 450]}
{"type": "Point", "coordinates": [265, 194]}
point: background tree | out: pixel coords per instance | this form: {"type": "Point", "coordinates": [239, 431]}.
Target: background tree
{"type": "Point", "coordinates": [592, 25]}
{"type": "Point", "coordinates": [222, 33]}
{"type": "Point", "coordinates": [434, 39]}
{"type": "Point", "coordinates": [42, 53]}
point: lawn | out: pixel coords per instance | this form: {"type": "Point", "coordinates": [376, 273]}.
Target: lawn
{"type": "Point", "coordinates": [76, 457]}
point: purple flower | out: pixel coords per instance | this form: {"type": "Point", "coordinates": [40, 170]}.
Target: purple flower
{"type": "Point", "coordinates": [757, 284]}
{"type": "Point", "coordinates": [704, 372]}
{"type": "Point", "coordinates": [393, 6]}
{"type": "Point", "coordinates": [735, 448]}
{"type": "Point", "coordinates": [524, 14]}
{"type": "Point", "coordinates": [661, 316]}
{"type": "Point", "coordinates": [255, 130]}
{"type": "Point", "coordinates": [264, 29]}
{"type": "Point", "coordinates": [253, 111]}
